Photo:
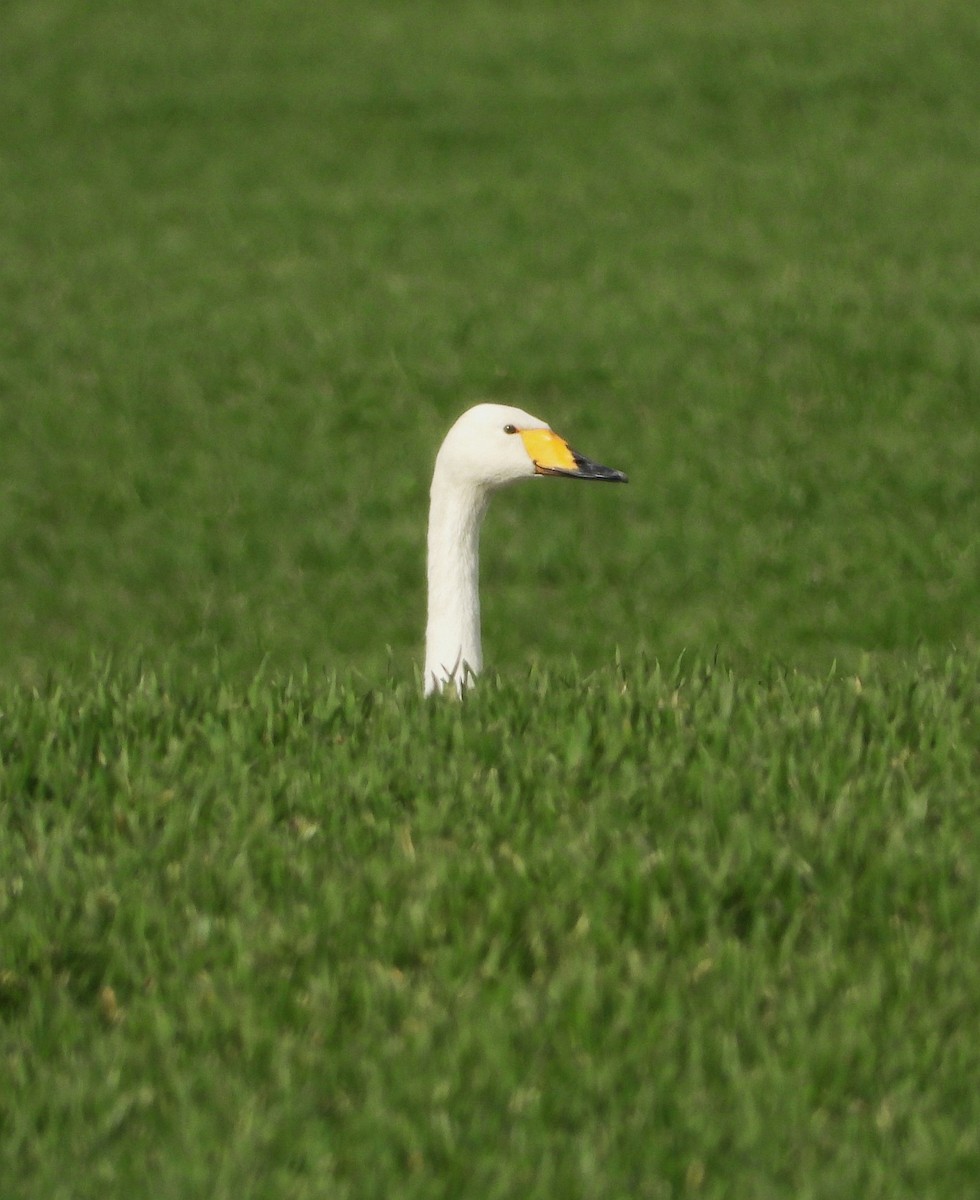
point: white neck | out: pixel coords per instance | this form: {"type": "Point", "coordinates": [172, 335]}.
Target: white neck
{"type": "Point", "coordinates": [453, 652]}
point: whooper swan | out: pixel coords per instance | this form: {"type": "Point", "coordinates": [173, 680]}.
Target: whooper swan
{"type": "Point", "coordinates": [489, 446]}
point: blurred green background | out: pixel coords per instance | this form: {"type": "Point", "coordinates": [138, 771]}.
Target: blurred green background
{"type": "Point", "coordinates": [255, 257]}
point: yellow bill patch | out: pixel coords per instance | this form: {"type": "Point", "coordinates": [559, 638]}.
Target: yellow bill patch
{"type": "Point", "coordinates": [548, 451]}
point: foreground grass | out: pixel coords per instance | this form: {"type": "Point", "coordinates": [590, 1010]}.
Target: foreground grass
{"type": "Point", "coordinates": [651, 933]}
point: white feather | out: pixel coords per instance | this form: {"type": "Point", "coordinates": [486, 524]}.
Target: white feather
{"type": "Point", "coordinates": [479, 454]}
{"type": "Point", "coordinates": [475, 459]}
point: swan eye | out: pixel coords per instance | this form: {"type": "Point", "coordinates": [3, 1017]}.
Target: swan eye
{"type": "Point", "coordinates": [510, 429]}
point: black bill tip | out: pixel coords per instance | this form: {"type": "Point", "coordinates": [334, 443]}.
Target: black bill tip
{"type": "Point", "coordinates": [585, 468]}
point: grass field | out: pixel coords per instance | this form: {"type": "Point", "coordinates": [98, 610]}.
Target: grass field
{"type": "Point", "coordinates": [684, 900]}
{"type": "Point", "coordinates": [661, 933]}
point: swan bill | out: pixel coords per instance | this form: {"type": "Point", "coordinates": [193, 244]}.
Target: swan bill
{"type": "Point", "coordinates": [552, 455]}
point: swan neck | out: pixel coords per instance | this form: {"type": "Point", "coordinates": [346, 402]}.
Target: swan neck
{"type": "Point", "coordinates": [453, 650]}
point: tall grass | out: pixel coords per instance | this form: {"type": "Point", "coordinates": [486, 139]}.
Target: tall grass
{"type": "Point", "coordinates": [645, 933]}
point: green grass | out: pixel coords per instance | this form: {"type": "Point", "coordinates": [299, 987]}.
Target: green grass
{"type": "Point", "coordinates": [270, 925]}
{"type": "Point", "coordinates": [254, 259]}
{"type": "Point", "coordinates": [644, 935]}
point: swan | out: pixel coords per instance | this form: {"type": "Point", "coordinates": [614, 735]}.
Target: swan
{"type": "Point", "coordinates": [488, 447]}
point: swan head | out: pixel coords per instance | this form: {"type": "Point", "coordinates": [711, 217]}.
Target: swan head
{"type": "Point", "coordinates": [492, 445]}
{"type": "Point", "coordinates": [489, 446]}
